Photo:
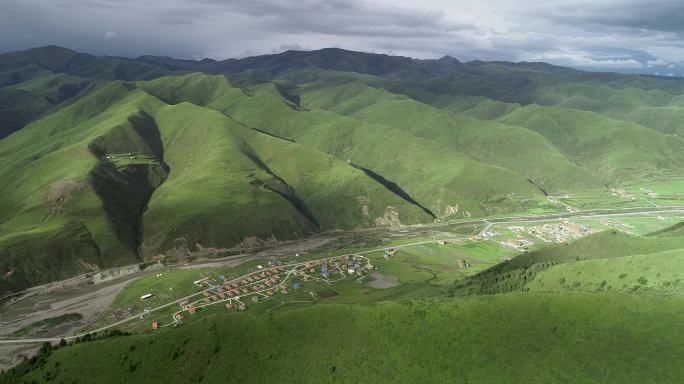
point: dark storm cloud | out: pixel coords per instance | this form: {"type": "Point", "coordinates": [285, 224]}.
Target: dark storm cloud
{"type": "Point", "coordinates": [328, 17]}
{"type": "Point", "coordinates": [590, 34]}
{"type": "Point", "coordinates": [636, 16]}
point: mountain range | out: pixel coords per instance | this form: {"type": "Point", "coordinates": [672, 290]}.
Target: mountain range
{"type": "Point", "coordinates": [109, 161]}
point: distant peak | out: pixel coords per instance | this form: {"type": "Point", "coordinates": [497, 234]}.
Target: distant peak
{"type": "Point", "coordinates": [448, 59]}
{"type": "Point", "coordinates": [51, 48]}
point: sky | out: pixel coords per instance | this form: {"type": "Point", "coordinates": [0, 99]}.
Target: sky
{"type": "Point", "coordinates": [616, 35]}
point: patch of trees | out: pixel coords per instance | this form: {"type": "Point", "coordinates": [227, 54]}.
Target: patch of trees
{"type": "Point", "coordinates": [500, 279]}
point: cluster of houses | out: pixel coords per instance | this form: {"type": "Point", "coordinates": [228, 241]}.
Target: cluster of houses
{"type": "Point", "coordinates": [390, 252]}
{"type": "Point", "coordinates": [556, 232]}
{"type": "Point", "coordinates": [266, 282]}
{"type": "Point", "coordinates": [261, 281]}
{"type": "Point", "coordinates": [343, 265]}
{"type": "Point", "coordinates": [621, 193]}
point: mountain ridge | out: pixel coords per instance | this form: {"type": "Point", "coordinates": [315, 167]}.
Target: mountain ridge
{"type": "Point", "coordinates": [137, 156]}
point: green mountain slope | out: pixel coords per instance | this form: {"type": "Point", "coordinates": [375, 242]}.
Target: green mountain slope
{"type": "Point", "coordinates": [35, 81]}
{"type": "Point", "coordinates": [412, 162]}
{"type": "Point", "coordinates": [27, 93]}
{"type": "Point", "coordinates": [610, 149]}
{"type": "Point", "coordinates": [141, 176]}
{"type": "Point", "coordinates": [515, 148]}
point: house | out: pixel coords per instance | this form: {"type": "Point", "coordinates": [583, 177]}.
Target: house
{"type": "Point", "coordinates": [255, 299]}
{"type": "Point", "coordinates": [155, 325]}
{"type": "Point", "coordinates": [146, 296]}
{"type": "Point", "coordinates": [192, 310]}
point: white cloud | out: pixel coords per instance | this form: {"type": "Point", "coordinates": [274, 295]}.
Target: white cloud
{"type": "Point", "coordinates": [110, 35]}
{"type": "Point", "coordinates": [573, 58]}
{"type": "Point", "coordinates": [657, 63]}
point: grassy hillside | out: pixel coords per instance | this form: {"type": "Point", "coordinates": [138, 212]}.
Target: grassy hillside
{"type": "Point", "coordinates": [602, 253]}
{"type": "Point", "coordinates": [511, 338]}
{"type": "Point", "coordinates": [656, 272]}
{"type": "Point", "coordinates": [611, 149]}
{"type": "Point", "coordinates": [27, 93]}
{"type": "Point", "coordinates": [280, 189]}
{"type": "Point", "coordinates": [415, 164]}
{"type": "Point", "coordinates": [36, 81]}
{"type": "Point", "coordinates": [515, 148]}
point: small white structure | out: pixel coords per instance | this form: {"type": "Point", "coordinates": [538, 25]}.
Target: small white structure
{"type": "Point", "coordinates": [145, 296]}
{"type": "Point", "coordinates": [351, 270]}
{"type": "Point", "coordinates": [260, 267]}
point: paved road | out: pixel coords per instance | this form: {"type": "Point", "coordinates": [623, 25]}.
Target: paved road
{"type": "Point", "coordinates": [488, 221]}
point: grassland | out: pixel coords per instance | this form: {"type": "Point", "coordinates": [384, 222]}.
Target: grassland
{"type": "Point", "coordinates": [657, 272]}
{"type": "Point", "coordinates": [548, 339]}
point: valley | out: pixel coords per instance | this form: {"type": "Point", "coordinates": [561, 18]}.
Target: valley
{"type": "Point", "coordinates": [404, 263]}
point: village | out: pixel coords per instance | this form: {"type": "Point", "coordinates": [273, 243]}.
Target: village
{"type": "Point", "coordinates": [524, 236]}
{"type": "Point", "coordinates": [264, 282]}
{"type": "Point", "coordinates": [563, 231]}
